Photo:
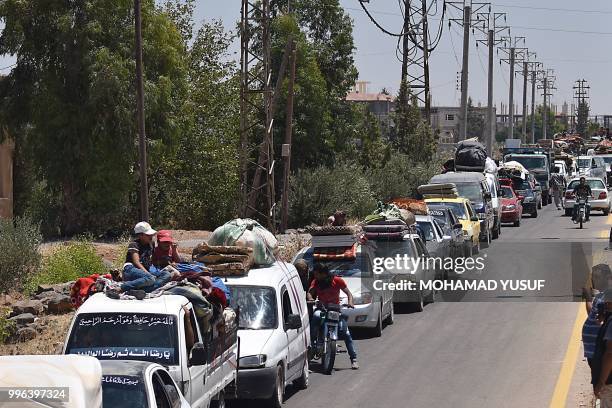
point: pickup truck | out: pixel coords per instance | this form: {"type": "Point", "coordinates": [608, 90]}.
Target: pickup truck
{"type": "Point", "coordinates": [162, 330]}
{"type": "Point", "coordinates": [538, 163]}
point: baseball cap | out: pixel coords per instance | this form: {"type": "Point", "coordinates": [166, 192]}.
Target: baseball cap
{"type": "Point", "coordinates": [164, 236]}
{"type": "Point", "coordinates": [144, 228]}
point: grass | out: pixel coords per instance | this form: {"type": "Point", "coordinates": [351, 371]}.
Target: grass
{"type": "Point", "coordinates": [67, 263]}
{"type": "Point", "coordinates": [7, 327]}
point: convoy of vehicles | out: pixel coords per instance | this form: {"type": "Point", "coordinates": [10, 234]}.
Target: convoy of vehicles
{"type": "Point", "coordinates": [470, 222]}
{"type": "Point", "coordinates": [538, 163]}
{"type": "Point", "coordinates": [451, 227]}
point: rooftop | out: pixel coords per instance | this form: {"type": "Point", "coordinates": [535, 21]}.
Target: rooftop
{"type": "Point", "coordinates": [369, 97]}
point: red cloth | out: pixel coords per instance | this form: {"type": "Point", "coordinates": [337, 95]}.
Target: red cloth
{"type": "Point", "coordinates": [329, 294]}
{"type": "Point", "coordinates": [203, 280]}
{"type": "Point", "coordinates": [80, 290]}
{"type": "Point", "coordinates": [217, 296]}
{"type": "Point", "coordinates": [335, 254]}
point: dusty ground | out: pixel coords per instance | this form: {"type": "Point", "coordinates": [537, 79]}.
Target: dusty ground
{"type": "Point", "coordinates": [49, 340]}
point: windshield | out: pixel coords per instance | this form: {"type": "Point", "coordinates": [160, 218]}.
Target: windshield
{"type": "Point", "coordinates": [257, 305]}
{"type": "Point", "coordinates": [123, 391]}
{"type": "Point", "coordinates": [608, 159]}
{"type": "Point", "coordinates": [584, 163]}
{"type": "Point", "coordinates": [125, 336]}
{"type": "Point", "coordinates": [507, 192]}
{"type": "Point", "coordinates": [471, 191]}
{"type": "Point", "coordinates": [358, 268]}
{"type": "Point", "coordinates": [427, 229]}
{"type": "Point", "coordinates": [529, 162]}
{"type": "Point", "coordinates": [521, 185]}
{"type": "Point", "coordinates": [458, 208]}
{"type": "Point", "coordinates": [593, 183]}
{"type": "Point", "coordinates": [438, 215]}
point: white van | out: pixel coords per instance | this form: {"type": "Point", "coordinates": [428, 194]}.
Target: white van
{"type": "Point", "coordinates": [274, 331]}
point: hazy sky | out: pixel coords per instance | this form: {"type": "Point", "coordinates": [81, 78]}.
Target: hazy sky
{"type": "Point", "coordinates": [571, 37]}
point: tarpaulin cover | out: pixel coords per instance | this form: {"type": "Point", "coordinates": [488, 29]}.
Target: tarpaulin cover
{"type": "Point", "coordinates": [247, 233]}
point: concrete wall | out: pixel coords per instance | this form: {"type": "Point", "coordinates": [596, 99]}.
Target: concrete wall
{"type": "Point", "coordinates": [6, 179]}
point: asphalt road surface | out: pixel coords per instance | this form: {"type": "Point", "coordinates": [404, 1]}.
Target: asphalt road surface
{"type": "Point", "coordinates": [493, 349]}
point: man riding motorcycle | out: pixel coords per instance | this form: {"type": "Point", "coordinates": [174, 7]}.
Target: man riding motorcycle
{"type": "Point", "coordinates": [326, 288]}
{"type": "Point", "coordinates": [582, 190]}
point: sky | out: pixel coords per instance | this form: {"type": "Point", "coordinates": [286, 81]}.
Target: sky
{"type": "Point", "coordinates": [570, 37]}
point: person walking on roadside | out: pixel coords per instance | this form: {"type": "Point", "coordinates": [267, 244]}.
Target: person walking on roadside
{"type": "Point", "coordinates": [601, 368]}
{"type": "Point", "coordinates": [557, 183]}
{"type": "Point", "coordinates": [593, 296]}
{"type": "Point", "coordinates": [138, 261]}
{"type": "Point", "coordinates": [326, 288]}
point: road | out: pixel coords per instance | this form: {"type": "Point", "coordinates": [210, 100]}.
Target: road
{"type": "Point", "coordinates": [503, 350]}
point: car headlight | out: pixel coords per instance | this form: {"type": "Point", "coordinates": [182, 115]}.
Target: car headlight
{"type": "Point", "coordinates": [256, 361]}
{"type": "Point", "coordinates": [510, 207]}
{"type": "Point", "coordinates": [363, 298]}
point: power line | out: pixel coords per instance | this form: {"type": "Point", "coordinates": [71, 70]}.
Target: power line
{"type": "Point", "coordinates": [555, 9]}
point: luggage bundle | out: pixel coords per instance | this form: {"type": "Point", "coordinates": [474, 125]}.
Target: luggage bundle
{"type": "Point", "coordinates": [332, 236]}
{"type": "Point", "coordinates": [445, 190]}
{"type": "Point", "coordinates": [246, 233]}
{"type": "Point", "coordinates": [513, 169]}
{"type": "Point", "coordinates": [224, 260]}
{"type": "Point", "coordinates": [417, 207]}
{"type": "Point", "coordinates": [470, 156]}
{"type": "Point", "coordinates": [388, 223]}
{"type": "Point", "coordinates": [335, 254]}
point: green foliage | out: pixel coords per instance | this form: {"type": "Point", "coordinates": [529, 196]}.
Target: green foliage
{"type": "Point", "coordinates": [552, 125]}
{"type": "Point", "coordinates": [583, 118]}
{"type": "Point", "coordinates": [316, 193]}
{"type": "Point", "coordinates": [19, 256]}
{"type": "Point", "coordinates": [68, 263]}
{"type": "Point", "coordinates": [7, 327]}
{"type": "Point", "coordinates": [476, 122]}
{"type": "Point", "coordinates": [71, 96]}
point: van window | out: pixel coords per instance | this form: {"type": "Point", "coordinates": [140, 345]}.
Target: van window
{"type": "Point", "coordinates": [257, 305]}
{"type": "Point", "coordinates": [126, 336]}
{"type": "Point", "coordinates": [471, 191]}
{"type": "Point", "coordinates": [287, 309]}
{"type": "Point", "coordinates": [123, 391]}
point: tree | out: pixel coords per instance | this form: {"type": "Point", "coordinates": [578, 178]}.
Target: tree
{"type": "Point", "coordinates": [552, 125]}
{"type": "Point", "coordinates": [475, 122]}
{"type": "Point", "coordinates": [71, 96]}
{"type": "Point", "coordinates": [583, 118]}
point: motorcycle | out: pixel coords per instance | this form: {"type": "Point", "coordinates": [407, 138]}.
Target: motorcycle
{"type": "Point", "coordinates": [324, 345]}
{"type": "Point", "coordinates": [581, 211]}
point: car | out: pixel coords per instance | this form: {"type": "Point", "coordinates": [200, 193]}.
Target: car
{"type": "Point", "coordinates": [474, 187]}
{"type": "Point", "coordinates": [592, 166]}
{"type": "Point", "coordinates": [601, 200]}
{"type": "Point", "coordinates": [411, 245]}
{"type": "Point", "coordinates": [494, 186]}
{"type": "Point", "coordinates": [608, 160]}
{"type": "Point", "coordinates": [537, 190]}
{"type": "Point", "coordinates": [525, 193]}
{"type": "Point", "coordinates": [467, 217]}
{"type": "Point", "coordinates": [437, 244]}
{"type": "Point", "coordinates": [451, 226]}
{"type": "Point", "coordinates": [512, 207]}
{"type": "Point", "coordinates": [139, 384]}
{"type": "Point", "coordinates": [274, 331]}
{"type": "Point", "coordinates": [157, 330]}
{"type": "Point", "coordinates": [372, 307]}
{"type": "Point", "coordinates": [538, 164]}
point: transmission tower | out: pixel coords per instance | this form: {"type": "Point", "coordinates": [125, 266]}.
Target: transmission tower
{"type": "Point", "coordinates": [581, 94]}
{"type": "Point", "coordinates": [547, 85]}
{"type": "Point", "coordinates": [256, 116]}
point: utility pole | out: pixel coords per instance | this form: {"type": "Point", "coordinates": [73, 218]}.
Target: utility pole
{"type": "Point", "coordinates": [468, 7]}
{"type": "Point", "coordinates": [528, 66]}
{"type": "Point", "coordinates": [286, 150]}
{"type": "Point", "coordinates": [142, 137]}
{"type": "Point", "coordinates": [548, 84]}
{"type": "Point", "coordinates": [514, 53]}
{"type": "Point", "coordinates": [534, 80]}
{"type": "Point", "coordinates": [581, 94]}
{"type": "Point", "coordinates": [491, 29]}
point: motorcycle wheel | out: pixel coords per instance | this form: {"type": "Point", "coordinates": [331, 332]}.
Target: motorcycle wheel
{"type": "Point", "coordinates": [330, 357]}
{"type": "Point", "coordinates": [581, 223]}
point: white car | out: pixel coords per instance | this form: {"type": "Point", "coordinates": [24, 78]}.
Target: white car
{"type": "Point", "coordinates": [130, 384]}
{"type": "Point", "coordinates": [601, 200]}
{"type": "Point", "coordinates": [372, 306]}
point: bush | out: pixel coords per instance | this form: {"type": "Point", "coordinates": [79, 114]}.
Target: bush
{"type": "Point", "coordinates": [19, 256]}
{"type": "Point", "coordinates": [317, 193]}
{"type": "Point", "coordinates": [68, 263]}
{"type": "Point", "coordinates": [7, 327]}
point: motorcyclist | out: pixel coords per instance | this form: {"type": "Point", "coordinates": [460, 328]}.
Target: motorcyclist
{"type": "Point", "coordinates": [326, 288]}
{"type": "Point", "coordinates": [582, 190]}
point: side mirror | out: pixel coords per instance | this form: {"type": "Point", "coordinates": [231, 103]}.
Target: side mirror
{"type": "Point", "coordinates": [520, 198]}
{"type": "Point", "coordinates": [293, 322]}
{"type": "Point", "coordinates": [474, 219]}
{"type": "Point", "coordinates": [199, 355]}
{"type": "Point", "coordinates": [457, 226]}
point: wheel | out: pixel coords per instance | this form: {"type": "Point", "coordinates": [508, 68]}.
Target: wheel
{"type": "Point", "coordinates": [219, 402]}
{"type": "Point", "coordinates": [517, 223]}
{"type": "Point", "coordinates": [606, 211]}
{"type": "Point", "coordinates": [469, 252]}
{"type": "Point", "coordinates": [540, 204]}
{"type": "Point", "coordinates": [277, 398]}
{"type": "Point", "coordinates": [330, 357]}
{"type": "Point", "coordinates": [419, 305]}
{"type": "Point", "coordinates": [377, 330]}
{"type": "Point", "coordinates": [430, 297]}
{"type": "Point", "coordinates": [391, 318]}
{"type": "Point", "coordinates": [487, 240]}
{"type": "Point", "coordinates": [534, 214]}
{"type": "Point", "coordinates": [568, 212]}
{"type": "Point", "coordinates": [496, 231]}
{"type": "Point", "coordinates": [581, 223]}
{"type": "Point", "coordinates": [302, 382]}
{"type": "Point", "coordinates": [476, 249]}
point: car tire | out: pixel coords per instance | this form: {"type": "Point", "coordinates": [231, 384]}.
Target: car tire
{"type": "Point", "coordinates": [419, 305]}
{"type": "Point", "coordinates": [304, 380]}
{"type": "Point", "coordinates": [219, 402]}
{"type": "Point", "coordinates": [534, 214]}
{"type": "Point", "coordinates": [496, 231]}
{"type": "Point", "coordinates": [377, 330]}
{"type": "Point", "coordinates": [391, 318]}
{"type": "Point", "coordinates": [277, 398]}
{"type": "Point", "coordinates": [606, 211]}
{"type": "Point", "coordinates": [568, 212]}
{"type": "Point", "coordinates": [517, 223]}
{"type": "Point", "coordinates": [487, 241]}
